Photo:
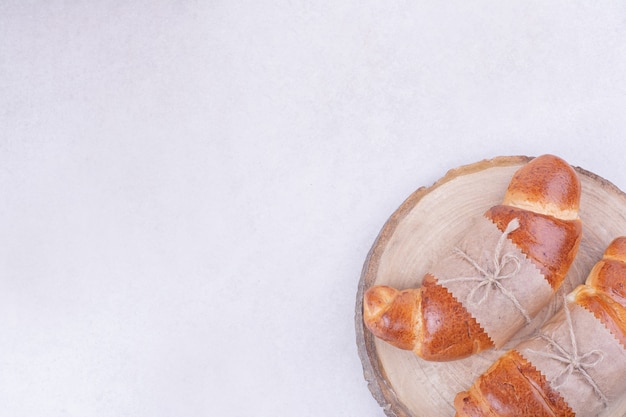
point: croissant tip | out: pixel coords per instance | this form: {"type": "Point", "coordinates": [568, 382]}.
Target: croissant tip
{"type": "Point", "coordinates": [376, 299]}
{"type": "Point", "coordinates": [616, 249]}
{"type": "Point", "coordinates": [547, 183]}
{"type": "Point", "coordinates": [461, 400]}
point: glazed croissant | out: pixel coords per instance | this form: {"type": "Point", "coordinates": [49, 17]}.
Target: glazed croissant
{"type": "Point", "coordinates": [542, 200]}
{"type": "Point", "coordinates": [575, 366]}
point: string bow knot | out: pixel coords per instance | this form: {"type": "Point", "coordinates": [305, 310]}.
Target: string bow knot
{"type": "Point", "coordinates": [574, 361]}
{"type": "Point", "coordinates": [502, 267]}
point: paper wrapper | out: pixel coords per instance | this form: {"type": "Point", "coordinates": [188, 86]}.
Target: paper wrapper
{"type": "Point", "coordinates": [497, 284]}
{"type": "Point", "coordinates": [580, 358]}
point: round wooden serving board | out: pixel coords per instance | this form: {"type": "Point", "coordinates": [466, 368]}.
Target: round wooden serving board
{"type": "Point", "coordinates": [410, 241]}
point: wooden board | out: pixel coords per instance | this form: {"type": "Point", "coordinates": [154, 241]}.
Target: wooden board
{"type": "Point", "coordinates": [402, 383]}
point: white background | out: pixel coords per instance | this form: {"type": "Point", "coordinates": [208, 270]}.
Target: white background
{"type": "Point", "coordinates": [189, 189]}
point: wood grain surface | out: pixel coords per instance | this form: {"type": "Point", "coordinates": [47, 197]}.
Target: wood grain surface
{"type": "Point", "coordinates": [426, 223]}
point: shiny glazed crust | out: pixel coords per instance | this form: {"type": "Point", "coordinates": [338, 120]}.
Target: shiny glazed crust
{"type": "Point", "coordinates": [402, 324]}
{"type": "Point", "coordinates": [604, 292]}
{"type": "Point", "coordinates": [550, 243]}
{"type": "Point", "coordinates": [457, 336]}
{"type": "Point", "coordinates": [439, 328]}
{"type": "Point", "coordinates": [511, 387]}
{"type": "Point", "coordinates": [557, 193]}
{"type": "Point", "coordinates": [498, 392]}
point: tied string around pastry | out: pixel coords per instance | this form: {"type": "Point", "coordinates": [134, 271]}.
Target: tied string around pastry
{"type": "Point", "coordinates": [489, 277]}
{"type": "Point", "coordinates": [571, 359]}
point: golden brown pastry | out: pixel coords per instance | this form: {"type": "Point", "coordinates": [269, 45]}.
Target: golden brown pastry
{"type": "Point", "coordinates": [543, 197]}
{"type": "Point", "coordinates": [579, 354]}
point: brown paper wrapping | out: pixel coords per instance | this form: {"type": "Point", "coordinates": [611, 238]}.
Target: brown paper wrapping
{"type": "Point", "coordinates": [493, 279]}
{"type": "Point", "coordinates": [580, 358]}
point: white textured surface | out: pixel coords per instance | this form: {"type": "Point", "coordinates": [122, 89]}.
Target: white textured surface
{"type": "Point", "coordinates": [188, 190]}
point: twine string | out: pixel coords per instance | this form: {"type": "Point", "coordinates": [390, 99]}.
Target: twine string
{"type": "Point", "coordinates": [573, 361]}
{"type": "Point", "coordinates": [492, 275]}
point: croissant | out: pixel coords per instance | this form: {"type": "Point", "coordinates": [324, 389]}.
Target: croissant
{"type": "Point", "coordinates": [542, 200]}
{"type": "Point", "coordinates": [575, 366]}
